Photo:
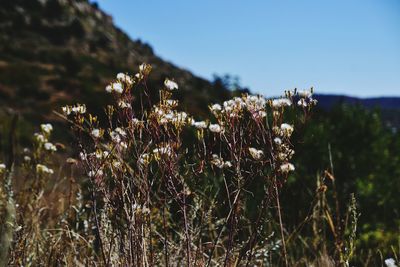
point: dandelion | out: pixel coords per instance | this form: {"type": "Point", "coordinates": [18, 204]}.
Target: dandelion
{"type": "Point", "coordinates": [46, 128]}
{"type": "Point", "coordinates": [50, 147]}
{"type": "Point", "coordinates": [287, 167]}
{"type": "Point", "coordinates": [42, 169]}
{"type": "Point", "coordinates": [170, 85]}
{"type": "Point", "coordinates": [215, 128]}
{"type": "Point", "coordinates": [255, 153]}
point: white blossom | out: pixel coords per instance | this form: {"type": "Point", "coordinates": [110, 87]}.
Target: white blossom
{"type": "Point", "coordinates": [170, 85]}
{"type": "Point", "coordinates": [390, 262]}
{"type": "Point", "coordinates": [304, 93]}
{"type": "Point", "coordinates": [46, 128]}
{"type": "Point", "coordinates": [200, 124]}
{"type": "Point", "coordinates": [281, 102]}
{"type": "Point", "coordinates": [287, 167]}
{"type": "Point", "coordinates": [278, 141]}
{"type": "Point", "coordinates": [43, 169]}
{"type": "Point", "coordinates": [96, 133]}
{"type": "Point", "coordinates": [50, 147]}
{"type": "Point", "coordinates": [255, 153]}
{"type": "Point", "coordinates": [216, 107]}
{"type": "Point", "coordinates": [40, 138]}
{"type": "Point", "coordinates": [124, 78]}
{"type": "Point", "coordinates": [286, 129]}
{"type": "Point", "coordinates": [2, 167]}
{"type": "Point", "coordinates": [215, 128]}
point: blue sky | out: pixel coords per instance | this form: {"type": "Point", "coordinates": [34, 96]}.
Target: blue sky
{"type": "Point", "coordinates": [344, 46]}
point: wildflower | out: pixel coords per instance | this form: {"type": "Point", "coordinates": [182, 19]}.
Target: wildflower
{"type": "Point", "coordinates": [144, 159]}
{"type": "Point", "coordinates": [217, 161]}
{"type": "Point", "coordinates": [27, 158]}
{"type": "Point", "coordinates": [124, 78]}
{"type": "Point", "coordinates": [200, 124]}
{"type": "Point", "coordinates": [46, 128]}
{"type": "Point", "coordinates": [50, 147]}
{"type": "Point", "coordinates": [304, 93]}
{"type": "Point", "coordinates": [40, 138]}
{"type": "Point", "coordinates": [2, 167]}
{"type": "Point", "coordinates": [216, 107]}
{"type": "Point", "coordinates": [115, 137]}
{"type": "Point", "coordinates": [42, 169]}
{"type": "Point", "coordinates": [96, 133]}
{"type": "Point", "coordinates": [66, 110]}
{"type": "Point", "coordinates": [163, 150]}
{"type": "Point", "coordinates": [144, 69]}
{"type": "Point", "coordinates": [227, 164]}
{"type": "Point", "coordinates": [302, 103]}
{"type": "Point", "coordinates": [123, 104]}
{"type": "Point", "coordinates": [287, 167]}
{"type": "Point", "coordinates": [170, 85]}
{"type": "Point", "coordinates": [117, 87]}
{"type": "Point", "coordinates": [79, 109]}
{"type": "Point", "coordinates": [278, 141]}
{"type": "Point", "coordinates": [120, 131]}
{"type": "Point", "coordinates": [96, 173]}
{"type": "Point", "coordinates": [390, 262]}
{"type": "Point", "coordinates": [255, 153]}
{"type": "Point", "coordinates": [123, 145]}
{"type": "Point", "coordinates": [281, 102]}
{"type": "Point", "coordinates": [286, 129]}
{"type": "Point", "coordinates": [215, 128]}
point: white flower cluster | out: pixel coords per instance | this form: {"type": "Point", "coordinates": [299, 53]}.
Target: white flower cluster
{"type": "Point", "coordinates": [170, 85]}
{"type": "Point", "coordinates": [199, 124]}
{"type": "Point", "coordinates": [42, 137]}
{"type": "Point", "coordinates": [306, 99]}
{"type": "Point", "coordinates": [116, 87]}
{"type": "Point", "coordinates": [46, 128]}
{"type": "Point", "coordinates": [390, 262]}
{"type": "Point", "coordinates": [255, 153]}
{"type": "Point", "coordinates": [124, 78]}
{"type": "Point", "coordinates": [2, 167]}
{"type": "Point", "coordinates": [42, 169]}
{"type": "Point", "coordinates": [118, 135]}
{"type": "Point", "coordinates": [165, 115]}
{"type": "Point", "coordinates": [219, 162]}
{"type": "Point", "coordinates": [215, 128]}
{"type": "Point", "coordinates": [284, 131]}
{"type": "Point", "coordinates": [234, 107]}
{"type": "Point", "coordinates": [281, 102]}
{"type": "Point", "coordinates": [77, 109]}
{"type": "Point", "coordinates": [163, 150]}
